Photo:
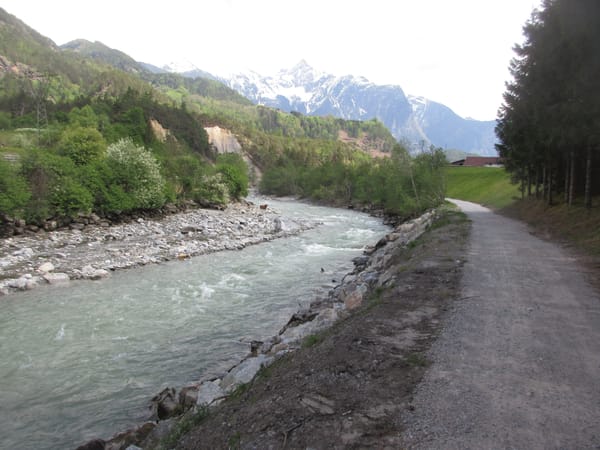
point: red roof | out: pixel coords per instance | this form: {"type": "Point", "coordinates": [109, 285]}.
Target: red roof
{"type": "Point", "coordinates": [479, 161]}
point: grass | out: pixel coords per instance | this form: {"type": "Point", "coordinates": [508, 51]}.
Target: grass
{"type": "Point", "coordinates": [488, 186]}
{"type": "Point", "coordinates": [183, 426]}
{"type": "Point", "coordinates": [575, 224]}
{"type": "Point", "coordinates": [417, 360]}
{"type": "Point", "coordinates": [312, 340]}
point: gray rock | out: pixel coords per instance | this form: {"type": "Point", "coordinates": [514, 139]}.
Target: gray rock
{"type": "Point", "coordinates": [56, 278]}
{"type": "Point", "coordinates": [23, 283]}
{"type": "Point", "coordinates": [27, 252]}
{"type": "Point", "coordinates": [91, 273]}
{"type": "Point", "coordinates": [46, 267]}
{"type": "Point", "coordinates": [209, 393]}
{"type": "Point", "coordinates": [188, 395]}
{"type": "Point", "coordinates": [165, 404]}
{"type": "Point", "coordinates": [244, 372]}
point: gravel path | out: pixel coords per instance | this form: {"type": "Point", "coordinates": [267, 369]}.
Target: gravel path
{"type": "Point", "coordinates": [518, 362]}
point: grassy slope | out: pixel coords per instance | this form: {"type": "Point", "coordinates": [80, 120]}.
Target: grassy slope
{"type": "Point", "coordinates": [576, 225]}
{"type": "Point", "coordinates": [489, 186]}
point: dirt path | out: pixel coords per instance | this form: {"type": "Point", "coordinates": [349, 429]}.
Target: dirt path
{"type": "Point", "coordinates": [518, 362]}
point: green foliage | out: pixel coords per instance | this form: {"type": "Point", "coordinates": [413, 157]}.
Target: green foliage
{"type": "Point", "coordinates": [84, 117]}
{"type": "Point", "coordinates": [489, 186]}
{"type": "Point", "coordinates": [234, 172]}
{"type": "Point", "coordinates": [311, 340]}
{"type": "Point", "coordinates": [548, 124]}
{"type": "Point", "coordinates": [82, 145]}
{"type": "Point", "coordinates": [69, 197]}
{"type": "Point", "coordinates": [14, 191]}
{"type": "Point", "coordinates": [212, 190]}
{"type": "Point", "coordinates": [55, 189]}
{"type": "Point", "coordinates": [183, 426]}
{"type": "Point", "coordinates": [136, 173]}
{"type": "Point", "coordinates": [399, 184]}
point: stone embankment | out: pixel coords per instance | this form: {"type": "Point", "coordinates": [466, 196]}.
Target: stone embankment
{"type": "Point", "coordinates": [373, 270]}
{"type": "Point", "coordinates": [93, 250]}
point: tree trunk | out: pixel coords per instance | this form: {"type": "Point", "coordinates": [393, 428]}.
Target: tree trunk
{"type": "Point", "coordinates": [588, 178]}
{"type": "Point", "coordinates": [528, 181]}
{"type": "Point", "coordinates": [567, 174]}
{"type": "Point", "coordinates": [545, 182]}
{"type": "Point", "coordinates": [537, 182]}
{"type": "Point", "coordinates": [549, 176]}
{"type": "Point", "coordinates": [572, 179]}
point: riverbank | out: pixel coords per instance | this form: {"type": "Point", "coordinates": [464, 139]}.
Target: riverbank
{"type": "Point", "coordinates": [97, 249]}
{"type": "Point", "coordinates": [349, 385]}
{"type": "Point", "coordinates": [332, 359]}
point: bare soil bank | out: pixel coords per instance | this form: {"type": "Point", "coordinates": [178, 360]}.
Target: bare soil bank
{"type": "Point", "coordinates": [349, 386]}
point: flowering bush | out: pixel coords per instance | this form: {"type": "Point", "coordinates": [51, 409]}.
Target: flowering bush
{"type": "Point", "coordinates": [137, 173]}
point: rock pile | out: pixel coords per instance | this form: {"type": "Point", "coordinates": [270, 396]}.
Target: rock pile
{"type": "Point", "coordinates": [94, 249]}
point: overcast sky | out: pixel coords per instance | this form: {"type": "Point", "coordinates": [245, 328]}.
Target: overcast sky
{"type": "Point", "coordinates": [452, 51]}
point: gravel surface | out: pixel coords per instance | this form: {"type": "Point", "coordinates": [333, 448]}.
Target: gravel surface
{"type": "Point", "coordinates": [92, 252]}
{"type": "Point", "coordinates": [517, 364]}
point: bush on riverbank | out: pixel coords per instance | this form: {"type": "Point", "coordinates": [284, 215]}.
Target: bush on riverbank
{"type": "Point", "coordinates": [401, 185]}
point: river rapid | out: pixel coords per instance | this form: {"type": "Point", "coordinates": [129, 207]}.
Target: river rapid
{"type": "Point", "coordinates": [83, 360]}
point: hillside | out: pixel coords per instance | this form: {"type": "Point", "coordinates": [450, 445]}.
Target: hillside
{"type": "Point", "coordinates": [87, 130]}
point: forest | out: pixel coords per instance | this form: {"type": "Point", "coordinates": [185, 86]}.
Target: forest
{"type": "Point", "coordinates": [549, 123]}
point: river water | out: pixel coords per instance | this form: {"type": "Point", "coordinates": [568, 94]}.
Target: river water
{"type": "Point", "coordinates": [82, 361]}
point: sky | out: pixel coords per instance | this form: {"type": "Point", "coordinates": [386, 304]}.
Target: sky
{"type": "Point", "coordinates": [455, 52]}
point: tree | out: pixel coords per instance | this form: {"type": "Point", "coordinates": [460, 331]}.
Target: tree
{"type": "Point", "coordinates": [82, 145]}
{"type": "Point", "coordinates": [549, 121]}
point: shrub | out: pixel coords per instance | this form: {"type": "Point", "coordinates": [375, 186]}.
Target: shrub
{"type": "Point", "coordinates": [234, 171]}
{"type": "Point", "coordinates": [82, 145]}
{"type": "Point", "coordinates": [212, 190]}
{"type": "Point", "coordinates": [69, 197]}
{"type": "Point", "coordinates": [137, 173]}
{"type": "Point", "coordinates": [14, 192]}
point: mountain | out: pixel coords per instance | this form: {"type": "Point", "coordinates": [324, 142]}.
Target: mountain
{"type": "Point", "coordinates": [414, 120]}
{"type": "Point", "coordinates": [102, 53]}
{"type": "Point", "coordinates": [432, 122]}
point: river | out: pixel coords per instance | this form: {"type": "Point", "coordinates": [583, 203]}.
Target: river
{"type": "Point", "coordinates": [83, 360]}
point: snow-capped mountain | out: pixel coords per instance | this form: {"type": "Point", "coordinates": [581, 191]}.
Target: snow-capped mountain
{"type": "Point", "coordinates": [432, 122]}
{"type": "Point", "coordinates": [414, 120]}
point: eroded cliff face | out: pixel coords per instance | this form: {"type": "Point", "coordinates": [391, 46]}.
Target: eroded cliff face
{"type": "Point", "coordinates": [223, 140]}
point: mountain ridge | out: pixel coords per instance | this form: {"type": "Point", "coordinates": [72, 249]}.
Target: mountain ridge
{"type": "Point", "coordinates": [414, 120]}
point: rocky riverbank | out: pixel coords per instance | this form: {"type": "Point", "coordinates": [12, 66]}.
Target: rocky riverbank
{"type": "Point", "coordinates": [94, 250]}
{"type": "Point", "coordinates": [374, 272]}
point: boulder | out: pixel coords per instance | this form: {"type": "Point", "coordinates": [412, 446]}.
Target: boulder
{"type": "Point", "coordinates": [46, 267]}
{"type": "Point", "coordinates": [25, 282]}
{"type": "Point", "coordinates": [209, 393]}
{"type": "Point", "coordinates": [188, 396]}
{"type": "Point", "coordinates": [129, 438]}
{"type": "Point", "coordinates": [56, 278]}
{"type": "Point", "coordinates": [243, 372]}
{"type": "Point", "coordinates": [165, 404]}
{"type": "Point", "coordinates": [94, 444]}
{"type": "Point", "coordinates": [25, 252]}
{"type": "Point", "coordinates": [353, 296]}
{"type": "Point", "coordinates": [91, 273]}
